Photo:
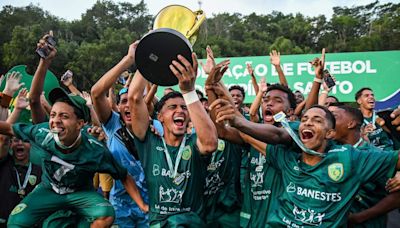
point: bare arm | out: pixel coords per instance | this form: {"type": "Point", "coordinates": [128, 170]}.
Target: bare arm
{"type": "Point", "coordinates": [253, 77]}
{"type": "Point", "coordinates": [261, 147]}
{"type": "Point", "coordinates": [387, 204]}
{"type": "Point", "coordinates": [138, 108]}
{"type": "Point", "coordinates": [99, 90]}
{"type": "Point", "coordinates": [299, 108]}
{"type": "Point", "coordinates": [207, 138]}
{"type": "Point", "coordinates": [21, 104]}
{"type": "Point", "coordinates": [264, 132]}
{"type": "Point", "coordinates": [318, 67]}
{"type": "Point", "coordinates": [6, 128]}
{"type": "Point", "coordinates": [94, 118]}
{"type": "Point", "coordinates": [111, 99]}
{"type": "Point", "coordinates": [255, 106]}
{"type": "Point", "coordinates": [275, 58]}
{"type": "Point", "coordinates": [3, 113]}
{"type": "Point", "coordinates": [149, 98]}
{"type": "Point", "coordinates": [38, 114]}
{"type": "Point", "coordinates": [70, 85]}
{"type": "Point", "coordinates": [45, 105]}
{"type": "Point", "coordinates": [133, 191]}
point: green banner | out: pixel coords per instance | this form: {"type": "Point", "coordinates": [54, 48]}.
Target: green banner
{"type": "Point", "coordinates": [354, 70]}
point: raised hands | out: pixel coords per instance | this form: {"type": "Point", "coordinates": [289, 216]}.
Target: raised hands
{"type": "Point", "coordinates": [185, 72]}
{"type": "Point", "coordinates": [85, 95]}
{"type": "Point", "coordinates": [395, 115]}
{"type": "Point", "coordinates": [13, 83]}
{"type": "Point", "coordinates": [22, 99]}
{"type": "Point", "coordinates": [275, 58]}
{"type": "Point", "coordinates": [319, 64]}
{"type": "Point", "coordinates": [210, 62]}
{"type": "Point", "coordinates": [45, 47]}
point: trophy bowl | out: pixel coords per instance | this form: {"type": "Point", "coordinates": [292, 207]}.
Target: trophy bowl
{"type": "Point", "coordinates": [174, 32]}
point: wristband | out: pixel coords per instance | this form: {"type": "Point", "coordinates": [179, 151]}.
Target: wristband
{"type": "Point", "coordinates": [190, 97]}
{"type": "Point", "coordinates": [318, 80]}
{"type": "Point", "coordinates": [5, 100]}
{"type": "Point", "coordinates": [325, 92]}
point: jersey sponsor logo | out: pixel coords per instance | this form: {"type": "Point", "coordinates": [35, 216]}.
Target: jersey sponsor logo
{"type": "Point", "coordinates": [170, 195]}
{"type": "Point", "coordinates": [261, 194]}
{"type": "Point", "coordinates": [32, 179]}
{"type": "Point", "coordinates": [375, 132]}
{"type": "Point", "coordinates": [64, 168]}
{"type": "Point", "coordinates": [314, 194]}
{"type": "Point", "coordinates": [17, 209]}
{"type": "Point", "coordinates": [257, 179]}
{"type": "Point", "coordinates": [156, 170]}
{"type": "Point", "coordinates": [335, 171]}
{"type": "Point", "coordinates": [296, 168]}
{"type": "Point", "coordinates": [221, 145]}
{"type": "Point", "coordinates": [308, 216]}
{"type": "Point", "coordinates": [159, 148]}
{"type": "Point", "coordinates": [187, 153]}
{"type": "Point", "coordinates": [213, 184]}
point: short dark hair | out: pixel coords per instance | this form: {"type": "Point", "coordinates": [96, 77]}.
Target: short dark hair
{"type": "Point", "coordinates": [238, 87]}
{"type": "Point", "coordinates": [203, 99]}
{"type": "Point", "coordinates": [328, 114]}
{"type": "Point", "coordinates": [160, 104]}
{"type": "Point", "coordinates": [290, 94]}
{"type": "Point", "coordinates": [77, 111]}
{"type": "Point", "coordinates": [359, 92]}
{"type": "Point", "coordinates": [353, 112]}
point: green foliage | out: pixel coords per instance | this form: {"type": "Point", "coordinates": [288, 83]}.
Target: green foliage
{"type": "Point", "coordinates": [91, 45]}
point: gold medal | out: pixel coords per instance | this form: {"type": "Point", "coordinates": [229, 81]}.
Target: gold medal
{"type": "Point", "coordinates": [21, 192]}
{"type": "Point", "coordinates": [211, 167]}
{"type": "Point", "coordinates": [179, 179]}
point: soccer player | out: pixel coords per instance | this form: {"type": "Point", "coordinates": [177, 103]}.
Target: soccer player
{"type": "Point", "coordinates": [320, 180]}
{"type": "Point", "coordinates": [174, 164]}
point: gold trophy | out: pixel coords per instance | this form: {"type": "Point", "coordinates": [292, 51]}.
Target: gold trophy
{"type": "Point", "coordinates": [174, 32]}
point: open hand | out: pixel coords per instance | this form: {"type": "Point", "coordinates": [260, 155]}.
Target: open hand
{"type": "Point", "coordinates": [185, 72]}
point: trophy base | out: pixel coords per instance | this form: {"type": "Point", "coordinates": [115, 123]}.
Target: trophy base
{"type": "Point", "coordinates": [156, 51]}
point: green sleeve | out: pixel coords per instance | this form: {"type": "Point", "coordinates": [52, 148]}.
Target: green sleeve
{"type": "Point", "coordinates": [375, 164]}
{"type": "Point", "coordinates": [24, 131]}
{"type": "Point", "coordinates": [143, 147]}
{"type": "Point", "coordinates": [109, 165]}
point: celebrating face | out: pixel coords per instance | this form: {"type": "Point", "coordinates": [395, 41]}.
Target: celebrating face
{"type": "Point", "coordinates": [315, 129]}
{"type": "Point", "coordinates": [274, 101]}
{"type": "Point", "coordinates": [237, 97]}
{"type": "Point", "coordinates": [174, 116]}
{"type": "Point", "coordinates": [123, 108]}
{"type": "Point", "coordinates": [20, 150]}
{"type": "Point", "coordinates": [64, 121]}
{"type": "Point", "coordinates": [367, 99]}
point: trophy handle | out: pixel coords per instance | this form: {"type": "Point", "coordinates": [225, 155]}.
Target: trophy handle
{"type": "Point", "coordinates": [196, 26]}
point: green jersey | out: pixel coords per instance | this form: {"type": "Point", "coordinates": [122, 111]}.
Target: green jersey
{"type": "Point", "coordinates": [378, 137]}
{"type": "Point", "coordinates": [264, 183]}
{"type": "Point", "coordinates": [67, 173]}
{"type": "Point", "coordinates": [370, 193]}
{"type": "Point", "coordinates": [173, 194]}
{"type": "Point", "coordinates": [222, 188]}
{"type": "Point", "coordinates": [321, 195]}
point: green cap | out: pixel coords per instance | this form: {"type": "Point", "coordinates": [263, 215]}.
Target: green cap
{"type": "Point", "coordinates": [76, 100]}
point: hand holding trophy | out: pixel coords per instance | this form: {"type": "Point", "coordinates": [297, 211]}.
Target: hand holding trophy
{"type": "Point", "coordinates": [174, 32]}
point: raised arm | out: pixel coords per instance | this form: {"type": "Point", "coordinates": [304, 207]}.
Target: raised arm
{"type": "Point", "coordinates": [70, 85]}
{"type": "Point", "coordinates": [138, 108]}
{"type": "Point", "coordinates": [150, 97]}
{"type": "Point", "coordinates": [318, 67]}
{"type": "Point", "coordinates": [12, 86]}
{"type": "Point", "coordinates": [255, 106]}
{"type": "Point", "coordinates": [275, 58]}
{"type": "Point", "coordinates": [21, 104]}
{"type": "Point", "coordinates": [253, 77]}
{"type": "Point", "coordinates": [207, 139]}
{"type": "Point", "coordinates": [95, 119]}
{"type": "Point", "coordinates": [264, 132]}
{"type": "Point", "coordinates": [99, 91]}
{"type": "Point", "coordinates": [38, 114]}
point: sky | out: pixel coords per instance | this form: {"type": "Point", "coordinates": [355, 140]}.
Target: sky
{"type": "Point", "coordinates": [73, 9]}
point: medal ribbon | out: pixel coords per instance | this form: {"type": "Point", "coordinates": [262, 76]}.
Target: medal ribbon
{"type": "Point", "coordinates": [280, 117]}
{"type": "Point", "coordinates": [358, 143]}
{"type": "Point", "coordinates": [28, 172]}
{"type": "Point", "coordinates": [373, 119]}
{"type": "Point", "coordinates": [174, 169]}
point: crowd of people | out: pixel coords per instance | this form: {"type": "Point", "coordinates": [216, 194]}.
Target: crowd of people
{"type": "Point", "coordinates": [132, 159]}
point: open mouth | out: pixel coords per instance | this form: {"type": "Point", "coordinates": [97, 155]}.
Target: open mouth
{"type": "Point", "coordinates": [128, 115]}
{"type": "Point", "coordinates": [179, 121]}
{"type": "Point", "coordinates": [268, 116]}
{"type": "Point", "coordinates": [57, 130]}
{"type": "Point", "coordinates": [307, 134]}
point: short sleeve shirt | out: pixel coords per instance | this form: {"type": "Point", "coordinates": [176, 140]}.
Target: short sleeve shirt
{"type": "Point", "coordinates": [321, 195]}
{"type": "Point", "coordinates": [66, 173]}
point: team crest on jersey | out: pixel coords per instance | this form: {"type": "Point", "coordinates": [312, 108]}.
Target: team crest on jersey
{"type": "Point", "coordinates": [221, 145]}
{"type": "Point", "coordinates": [32, 179]}
{"type": "Point", "coordinates": [335, 171]}
{"type": "Point", "coordinates": [187, 153]}
{"type": "Point", "coordinates": [20, 207]}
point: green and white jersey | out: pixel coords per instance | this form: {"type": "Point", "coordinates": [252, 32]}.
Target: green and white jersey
{"type": "Point", "coordinates": [169, 195]}
{"type": "Point", "coordinates": [67, 173]}
{"type": "Point", "coordinates": [321, 195]}
{"type": "Point", "coordinates": [222, 187]}
{"type": "Point", "coordinates": [264, 185]}
{"type": "Point", "coordinates": [379, 137]}
{"type": "Point", "coordinates": [370, 193]}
